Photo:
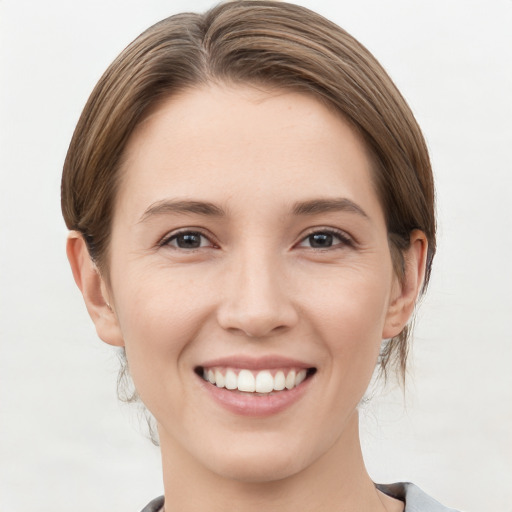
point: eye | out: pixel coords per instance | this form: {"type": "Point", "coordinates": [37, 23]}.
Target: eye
{"type": "Point", "coordinates": [187, 240]}
{"type": "Point", "coordinates": [325, 239]}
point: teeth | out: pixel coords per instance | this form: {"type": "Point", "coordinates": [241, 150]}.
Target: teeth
{"type": "Point", "coordinates": [246, 381]}
{"type": "Point", "coordinates": [279, 381]}
{"type": "Point", "coordinates": [289, 383]}
{"type": "Point", "coordinates": [219, 379]}
{"type": "Point", "coordinates": [298, 378]}
{"type": "Point", "coordinates": [231, 380]}
{"type": "Point", "coordinates": [260, 382]}
{"type": "Point", "coordinates": [264, 382]}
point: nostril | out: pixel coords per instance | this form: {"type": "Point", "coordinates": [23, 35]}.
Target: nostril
{"type": "Point", "coordinates": [255, 312]}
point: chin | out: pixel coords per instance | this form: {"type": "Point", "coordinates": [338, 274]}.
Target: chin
{"type": "Point", "coordinates": [257, 470]}
{"type": "Point", "coordinates": [260, 460]}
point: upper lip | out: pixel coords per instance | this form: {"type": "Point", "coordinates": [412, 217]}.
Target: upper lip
{"type": "Point", "coordinates": [268, 362]}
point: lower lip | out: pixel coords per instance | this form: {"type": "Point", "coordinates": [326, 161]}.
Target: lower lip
{"type": "Point", "coordinates": [252, 404]}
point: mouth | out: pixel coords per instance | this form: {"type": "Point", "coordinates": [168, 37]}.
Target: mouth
{"type": "Point", "coordinates": [263, 382]}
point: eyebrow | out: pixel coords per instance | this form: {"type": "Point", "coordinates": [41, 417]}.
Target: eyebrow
{"type": "Point", "coordinates": [168, 206]}
{"type": "Point", "coordinates": [311, 207]}
{"type": "Point", "coordinates": [316, 206]}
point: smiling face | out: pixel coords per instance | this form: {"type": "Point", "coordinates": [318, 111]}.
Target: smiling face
{"type": "Point", "coordinates": [250, 279]}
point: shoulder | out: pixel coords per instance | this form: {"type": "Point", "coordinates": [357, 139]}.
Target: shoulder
{"type": "Point", "coordinates": [154, 506]}
{"type": "Point", "coordinates": [414, 498]}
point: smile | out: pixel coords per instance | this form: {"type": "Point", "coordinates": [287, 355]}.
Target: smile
{"type": "Point", "coordinates": [261, 382]}
{"type": "Point", "coordinates": [256, 387]}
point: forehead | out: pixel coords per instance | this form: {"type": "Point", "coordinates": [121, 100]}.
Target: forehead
{"type": "Point", "coordinates": [245, 142]}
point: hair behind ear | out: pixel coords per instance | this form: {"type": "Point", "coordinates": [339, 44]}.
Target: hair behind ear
{"type": "Point", "coordinates": [94, 290]}
{"type": "Point", "coordinates": [401, 308]}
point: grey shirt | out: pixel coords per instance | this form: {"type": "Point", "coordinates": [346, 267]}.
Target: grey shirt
{"type": "Point", "coordinates": [414, 498]}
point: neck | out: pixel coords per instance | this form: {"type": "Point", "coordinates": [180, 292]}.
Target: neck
{"type": "Point", "coordinates": [336, 481]}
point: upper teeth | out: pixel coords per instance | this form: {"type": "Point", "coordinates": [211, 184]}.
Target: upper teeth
{"type": "Point", "coordinates": [258, 382]}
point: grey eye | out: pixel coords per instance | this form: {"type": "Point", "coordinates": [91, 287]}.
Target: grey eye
{"type": "Point", "coordinates": [188, 240]}
{"type": "Point", "coordinates": [326, 240]}
{"type": "Point", "coordinates": [320, 240]}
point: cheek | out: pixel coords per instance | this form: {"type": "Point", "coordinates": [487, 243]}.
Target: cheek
{"type": "Point", "coordinates": [349, 314]}
{"type": "Point", "coordinates": [353, 304]}
{"type": "Point", "coordinates": [158, 306]}
{"type": "Point", "coordinates": [158, 317]}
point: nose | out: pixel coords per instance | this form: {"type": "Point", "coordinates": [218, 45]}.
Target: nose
{"type": "Point", "coordinates": [256, 299]}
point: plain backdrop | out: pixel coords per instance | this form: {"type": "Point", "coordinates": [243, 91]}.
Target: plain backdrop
{"type": "Point", "coordinates": [65, 441]}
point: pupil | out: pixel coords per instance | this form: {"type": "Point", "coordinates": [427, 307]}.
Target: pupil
{"type": "Point", "coordinates": [320, 240]}
{"type": "Point", "coordinates": [189, 241]}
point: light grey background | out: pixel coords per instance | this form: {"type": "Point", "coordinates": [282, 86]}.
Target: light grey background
{"type": "Point", "coordinates": [65, 442]}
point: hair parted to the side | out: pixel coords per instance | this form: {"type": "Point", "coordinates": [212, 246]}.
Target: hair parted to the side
{"type": "Point", "coordinates": [265, 43]}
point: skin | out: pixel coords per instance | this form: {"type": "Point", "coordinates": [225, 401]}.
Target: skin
{"type": "Point", "coordinates": [256, 286]}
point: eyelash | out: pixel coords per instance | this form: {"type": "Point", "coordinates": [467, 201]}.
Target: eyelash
{"type": "Point", "coordinates": [166, 241]}
{"type": "Point", "coordinates": [345, 240]}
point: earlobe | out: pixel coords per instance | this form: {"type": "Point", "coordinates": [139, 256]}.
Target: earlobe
{"type": "Point", "coordinates": [406, 291]}
{"type": "Point", "coordinates": [94, 290]}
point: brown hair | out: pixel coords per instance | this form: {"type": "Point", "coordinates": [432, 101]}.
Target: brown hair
{"type": "Point", "coordinates": [275, 44]}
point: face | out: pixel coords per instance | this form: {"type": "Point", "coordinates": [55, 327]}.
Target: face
{"type": "Point", "coordinates": [251, 279]}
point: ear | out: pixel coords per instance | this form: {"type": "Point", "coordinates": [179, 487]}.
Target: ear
{"type": "Point", "coordinates": [405, 292]}
{"type": "Point", "coordinates": [94, 290]}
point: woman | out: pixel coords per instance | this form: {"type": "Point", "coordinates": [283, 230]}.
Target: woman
{"type": "Point", "coordinates": [251, 208]}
